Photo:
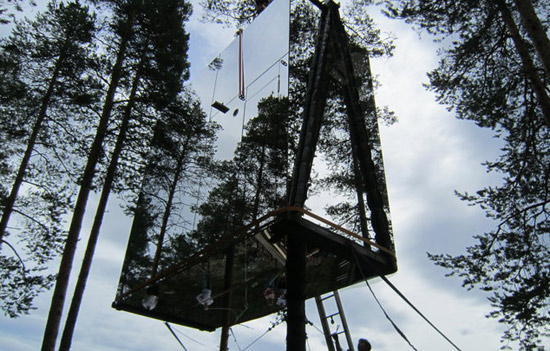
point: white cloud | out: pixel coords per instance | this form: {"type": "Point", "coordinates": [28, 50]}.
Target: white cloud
{"type": "Point", "coordinates": [428, 155]}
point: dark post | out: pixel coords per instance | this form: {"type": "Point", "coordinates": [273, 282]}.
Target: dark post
{"type": "Point", "coordinates": [295, 275]}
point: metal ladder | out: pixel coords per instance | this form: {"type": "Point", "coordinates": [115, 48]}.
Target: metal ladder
{"type": "Point", "coordinates": [333, 345]}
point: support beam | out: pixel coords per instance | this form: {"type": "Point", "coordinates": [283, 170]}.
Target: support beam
{"type": "Point", "coordinates": [359, 135]}
{"type": "Point", "coordinates": [314, 107]}
{"type": "Point", "coordinates": [295, 276]}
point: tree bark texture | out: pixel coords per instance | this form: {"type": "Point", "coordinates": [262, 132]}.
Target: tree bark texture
{"type": "Point", "coordinates": [526, 60]}
{"type": "Point", "coordinates": [60, 290]}
{"type": "Point", "coordinates": [536, 32]}
{"type": "Point", "coordinates": [68, 331]}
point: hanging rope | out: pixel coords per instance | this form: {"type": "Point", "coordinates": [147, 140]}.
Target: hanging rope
{"type": "Point", "coordinates": [174, 334]}
{"type": "Point", "coordinates": [247, 86]}
{"type": "Point", "coordinates": [261, 336]}
{"type": "Point", "coordinates": [213, 95]}
{"type": "Point", "coordinates": [235, 339]}
{"type": "Point", "coordinates": [394, 288]}
{"type": "Point", "coordinates": [400, 294]}
{"type": "Point", "coordinates": [399, 331]}
{"type": "Point", "coordinates": [188, 337]}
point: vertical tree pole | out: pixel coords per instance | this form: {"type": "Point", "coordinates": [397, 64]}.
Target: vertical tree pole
{"type": "Point", "coordinates": [295, 278]}
{"type": "Point", "coordinates": [309, 135]}
{"type": "Point", "coordinates": [528, 64]}
{"type": "Point", "coordinates": [536, 32]}
{"type": "Point", "coordinates": [66, 338]}
{"type": "Point", "coordinates": [62, 282]}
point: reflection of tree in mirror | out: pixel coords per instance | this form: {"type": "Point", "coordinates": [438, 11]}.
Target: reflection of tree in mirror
{"type": "Point", "coordinates": [178, 157]}
{"type": "Point", "coordinates": [365, 40]}
{"type": "Point", "coordinates": [233, 12]}
{"type": "Point", "coordinates": [255, 181]}
{"type": "Point", "coordinates": [216, 64]}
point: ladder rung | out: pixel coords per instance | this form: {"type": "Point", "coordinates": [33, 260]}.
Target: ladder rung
{"type": "Point", "coordinates": [327, 297]}
{"type": "Point", "coordinates": [332, 315]}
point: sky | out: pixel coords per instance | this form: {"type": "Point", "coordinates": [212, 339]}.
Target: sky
{"type": "Point", "coordinates": [428, 155]}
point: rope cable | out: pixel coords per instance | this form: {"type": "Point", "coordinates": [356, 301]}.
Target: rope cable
{"type": "Point", "coordinates": [274, 324]}
{"type": "Point", "coordinates": [213, 96]}
{"type": "Point", "coordinates": [188, 337]}
{"type": "Point", "coordinates": [242, 95]}
{"type": "Point", "coordinates": [394, 288]}
{"type": "Point", "coordinates": [174, 334]}
{"type": "Point", "coordinates": [314, 326]}
{"type": "Point", "coordinates": [235, 339]}
{"type": "Point", "coordinates": [253, 81]}
{"type": "Point", "coordinates": [399, 331]}
{"type": "Point", "coordinates": [400, 294]}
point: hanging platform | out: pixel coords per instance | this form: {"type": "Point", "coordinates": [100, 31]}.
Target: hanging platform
{"type": "Point", "coordinates": [335, 258]}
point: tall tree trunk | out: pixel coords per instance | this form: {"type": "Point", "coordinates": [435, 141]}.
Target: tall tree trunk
{"type": "Point", "coordinates": [168, 210]}
{"type": "Point", "coordinates": [68, 331]}
{"type": "Point", "coordinates": [528, 65]}
{"type": "Point", "coordinates": [10, 201]}
{"type": "Point", "coordinates": [536, 32]}
{"type": "Point", "coordinates": [60, 291]}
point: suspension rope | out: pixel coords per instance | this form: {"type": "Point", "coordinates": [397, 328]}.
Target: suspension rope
{"type": "Point", "coordinates": [259, 337]}
{"type": "Point", "coordinates": [213, 95]}
{"type": "Point", "coordinates": [174, 334]}
{"type": "Point", "coordinates": [399, 331]}
{"type": "Point", "coordinates": [394, 288]}
{"type": "Point", "coordinates": [188, 337]}
{"type": "Point", "coordinates": [314, 326]}
{"type": "Point", "coordinates": [400, 294]}
{"type": "Point", "coordinates": [279, 60]}
{"type": "Point", "coordinates": [235, 339]}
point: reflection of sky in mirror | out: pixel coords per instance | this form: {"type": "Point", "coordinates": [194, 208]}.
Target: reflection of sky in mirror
{"type": "Point", "coordinates": [264, 53]}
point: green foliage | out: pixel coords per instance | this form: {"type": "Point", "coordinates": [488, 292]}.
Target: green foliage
{"type": "Point", "coordinates": [231, 12]}
{"type": "Point", "coordinates": [6, 7]}
{"type": "Point", "coordinates": [255, 181]}
{"type": "Point", "coordinates": [481, 77]}
{"type": "Point", "coordinates": [45, 83]}
{"type": "Point", "coordinates": [20, 286]}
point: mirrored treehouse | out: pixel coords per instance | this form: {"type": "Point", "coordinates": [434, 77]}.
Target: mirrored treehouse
{"type": "Point", "coordinates": [229, 234]}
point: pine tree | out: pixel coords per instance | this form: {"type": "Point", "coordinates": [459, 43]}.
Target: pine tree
{"type": "Point", "coordinates": [159, 53]}
{"type": "Point", "coordinates": [123, 26]}
{"type": "Point", "coordinates": [176, 164]}
{"type": "Point", "coordinates": [494, 72]}
{"type": "Point", "coordinates": [45, 83]}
